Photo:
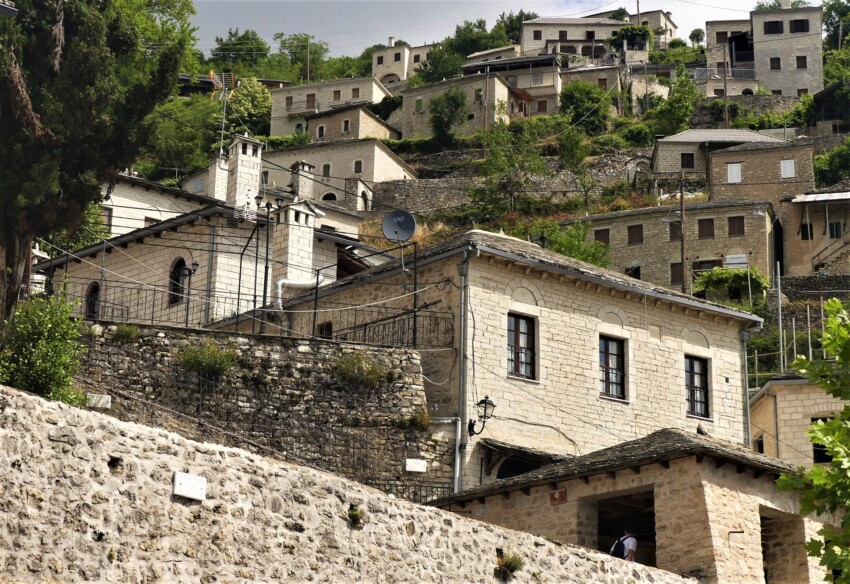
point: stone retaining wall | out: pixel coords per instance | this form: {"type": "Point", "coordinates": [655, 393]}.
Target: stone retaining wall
{"type": "Point", "coordinates": [282, 396]}
{"type": "Point", "coordinates": [85, 497]}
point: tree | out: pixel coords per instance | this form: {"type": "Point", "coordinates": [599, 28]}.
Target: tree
{"type": "Point", "coordinates": [92, 230]}
{"type": "Point", "coordinates": [570, 241]}
{"type": "Point", "coordinates": [674, 115]}
{"type": "Point", "coordinates": [472, 37]}
{"type": "Point", "coordinates": [836, 23]}
{"type": "Point", "coordinates": [588, 105]}
{"type": "Point", "coordinates": [249, 110]}
{"type": "Point", "coordinates": [303, 52]}
{"type": "Point", "coordinates": [834, 166]}
{"type": "Point", "coordinates": [697, 36]}
{"type": "Point", "coordinates": [633, 36]}
{"type": "Point", "coordinates": [510, 25]}
{"type": "Point", "coordinates": [620, 14]}
{"type": "Point", "coordinates": [677, 44]}
{"type": "Point", "coordinates": [572, 148]}
{"type": "Point", "coordinates": [447, 112]}
{"type": "Point", "coordinates": [443, 63]}
{"type": "Point", "coordinates": [246, 49]}
{"type": "Point", "coordinates": [777, 4]}
{"type": "Point", "coordinates": [824, 488]}
{"type": "Point", "coordinates": [79, 77]}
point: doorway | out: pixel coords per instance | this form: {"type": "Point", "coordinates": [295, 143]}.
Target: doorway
{"type": "Point", "coordinates": [633, 511]}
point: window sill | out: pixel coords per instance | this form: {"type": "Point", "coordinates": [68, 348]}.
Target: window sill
{"type": "Point", "coordinates": [615, 399]}
{"type": "Point", "coordinates": [696, 417]}
{"type": "Point", "coordinates": [526, 379]}
{"type": "Point", "coordinates": [739, 235]}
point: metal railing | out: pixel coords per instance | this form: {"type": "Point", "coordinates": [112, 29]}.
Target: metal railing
{"type": "Point", "coordinates": [706, 73]}
{"type": "Point", "coordinates": [418, 492]}
{"type": "Point", "coordinates": [824, 256]}
{"type": "Point", "coordinates": [612, 382]}
{"type": "Point", "coordinates": [393, 327]}
{"type": "Point", "coordinates": [302, 106]}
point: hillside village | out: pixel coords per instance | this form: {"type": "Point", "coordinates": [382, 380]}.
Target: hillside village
{"type": "Point", "coordinates": [554, 286]}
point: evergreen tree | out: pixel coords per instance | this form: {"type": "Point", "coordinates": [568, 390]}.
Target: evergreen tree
{"type": "Point", "coordinates": [675, 113]}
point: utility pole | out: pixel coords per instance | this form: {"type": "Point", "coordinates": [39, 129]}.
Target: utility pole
{"type": "Point", "coordinates": [638, 15]}
{"type": "Point", "coordinates": [682, 233]}
{"type": "Point", "coordinates": [725, 87]}
{"type": "Point", "coordinates": [308, 58]}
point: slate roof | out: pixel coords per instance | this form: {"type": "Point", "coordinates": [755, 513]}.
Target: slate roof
{"type": "Point", "coordinates": [533, 255]}
{"type": "Point", "coordinates": [750, 146]}
{"type": "Point", "coordinates": [560, 20]}
{"type": "Point", "coordinates": [720, 136]}
{"type": "Point", "coordinates": [489, 51]}
{"type": "Point", "coordinates": [522, 451]}
{"type": "Point", "coordinates": [666, 210]}
{"type": "Point", "coordinates": [660, 446]}
{"type": "Point", "coordinates": [7, 8]}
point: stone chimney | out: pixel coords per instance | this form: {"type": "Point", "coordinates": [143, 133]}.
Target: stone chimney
{"type": "Point", "coordinates": [302, 180]}
{"type": "Point", "coordinates": [217, 179]}
{"type": "Point", "coordinates": [392, 41]}
{"type": "Point", "coordinates": [243, 167]}
{"type": "Point", "coordinates": [786, 4]}
{"type": "Point", "coordinates": [292, 248]}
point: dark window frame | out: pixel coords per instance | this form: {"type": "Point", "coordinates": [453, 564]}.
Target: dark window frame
{"type": "Point", "coordinates": [806, 232]}
{"type": "Point", "coordinates": [606, 239]}
{"type": "Point", "coordinates": [802, 59]}
{"type": "Point", "coordinates": [325, 330]}
{"type": "Point", "coordinates": [634, 234]}
{"type": "Point", "coordinates": [380, 60]}
{"type": "Point", "coordinates": [522, 346]}
{"type": "Point", "coordinates": [687, 160]}
{"type": "Point", "coordinates": [819, 453]}
{"type": "Point", "coordinates": [697, 386]}
{"type": "Point", "coordinates": [738, 228]}
{"type": "Point", "coordinates": [677, 274]}
{"type": "Point", "coordinates": [776, 64]}
{"type": "Point", "coordinates": [633, 272]}
{"type": "Point", "coordinates": [798, 25]}
{"type": "Point", "coordinates": [774, 27]}
{"type": "Point", "coordinates": [675, 230]}
{"type": "Point", "coordinates": [705, 228]}
{"type": "Point", "coordinates": [612, 367]}
{"type": "Point", "coordinates": [537, 35]}
{"type": "Point", "coordinates": [835, 233]}
{"type": "Point", "coordinates": [176, 282]}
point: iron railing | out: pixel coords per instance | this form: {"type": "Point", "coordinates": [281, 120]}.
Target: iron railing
{"type": "Point", "coordinates": [417, 492]}
{"type": "Point", "coordinates": [706, 73]}
{"type": "Point", "coordinates": [302, 106]}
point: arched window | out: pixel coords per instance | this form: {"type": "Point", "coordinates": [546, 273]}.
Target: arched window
{"type": "Point", "coordinates": [747, 91]}
{"type": "Point", "coordinates": [176, 281]}
{"type": "Point", "coordinates": [329, 197]}
{"type": "Point", "coordinates": [93, 300]}
{"type": "Point", "coordinates": [299, 128]}
{"type": "Point", "coordinates": [364, 200]}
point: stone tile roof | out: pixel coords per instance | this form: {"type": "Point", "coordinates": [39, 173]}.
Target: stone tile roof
{"type": "Point", "coordinates": [522, 451]}
{"type": "Point", "coordinates": [489, 51]}
{"type": "Point", "coordinates": [559, 20]}
{"type": "Point", "coordinates": [839, 187]}
{"type": "Point", "coordinates": [530, 253]}
{"type": "Point", "coordinates": [763, 146]}
{"type": "Point", "coordinates": [7, 8]}
{"type": "Point", "coordinates": [660, 446]}
{"type": "Point", "coordinates": [666, 210]}
{"type": "Point", "coordinates": [720, 136]}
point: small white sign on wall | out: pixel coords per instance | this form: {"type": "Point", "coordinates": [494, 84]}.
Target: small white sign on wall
{"type": "Point", "coordinates": [416, 465]}
{"type": "Point", "coordinates": [190, 486]}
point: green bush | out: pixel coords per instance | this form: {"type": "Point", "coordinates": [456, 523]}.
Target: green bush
{"type": "Point", "coordinates": [736, 283]}
{"type": "Point", "coordinates": [510, 563]}
{"type": "Point", "coordinates": [607, 144]}
{"type": "Point", "coordinates": [639, 135]}
{"type": "Point", "coordinates": [359, 370]}
{"type": "Point", "coordinates": [207, 360]}
{"type": "Point", "coordinates": [126, 333]}
{"type": "Point", "coordinates": [420, 421]}
{"type": "Point", "coordinates": [68, 395]}
{"type": "Point", "coordinates": [42, 351]}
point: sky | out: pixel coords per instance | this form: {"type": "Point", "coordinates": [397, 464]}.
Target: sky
{"type": "Point", "coordinates": [350, 26]}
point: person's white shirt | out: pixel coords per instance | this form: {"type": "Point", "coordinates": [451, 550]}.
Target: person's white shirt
{"type": "Point", "coordinates": [630, 547]}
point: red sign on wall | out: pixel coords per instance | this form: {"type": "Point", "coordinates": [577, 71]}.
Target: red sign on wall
{"type": "Point", "coordinates": [558, 497]}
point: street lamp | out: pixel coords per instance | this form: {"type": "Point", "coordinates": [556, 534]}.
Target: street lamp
{"type": "Point", "coordinates": [279, 202]}
{"type": "Point", "coordinates": [187, 273]}
{"type": "Point", "coordinates": [485, 412]}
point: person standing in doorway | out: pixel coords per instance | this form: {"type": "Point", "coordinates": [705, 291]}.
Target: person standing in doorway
{"type": "Point", "coordinates": [626, 546]}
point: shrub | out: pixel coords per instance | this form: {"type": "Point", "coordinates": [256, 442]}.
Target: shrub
{"type": "Point", "coordinates": [639, 135]}
{"type": "Point", "coordinates": [126, 333]}
{"type": "Point", "coordinates": [355, 514]}
{"type": "Point", "coordinates": [510, 563]}
{"type": "Point", "coordinates": [677, 44]}
{"type": "Point", "coordinates": [68, 395]}
{"type": "Point", "coordinates": [587, 104]}
{"type": "Point", "coordinates": [207, 360]}
{"type": "Point", "coordinates": [607, 144]}
{"type": "Point", "coordinates": [420, 421]}
{"type": "Point", "coordinates": [42, 351]}
{"type": "Point", "coordinates": [359, 370]}
{"type": "Point", "coordinates": [736, 283]}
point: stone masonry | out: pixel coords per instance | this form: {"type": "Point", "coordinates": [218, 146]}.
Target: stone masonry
{"type": "Point", "coordinates": [88, 498]}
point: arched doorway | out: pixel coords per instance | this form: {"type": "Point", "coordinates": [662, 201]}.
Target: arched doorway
{"type": "Point", "coordinates": [92, 307]}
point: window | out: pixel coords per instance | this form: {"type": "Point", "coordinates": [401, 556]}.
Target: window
{"type": "Point", "coordinates": [718, 93]}
{"type": "Point", "coordinates": [696, 385]}
{"type": "Point", "coordinates": [265, 177]}
{"type": "Point", "coordinates": [311, 100]}
{"type": "Point", "coordinates": [358, 166]}
{"type": "Point", "coordinates": [612, 367]}
{"type": "Point", "coordinates": [537, 79]}
{"type": "Point", "coordinates": [633, 272]}
{"type": "Point", "coordinates": [705, 228]}
{"type": "Point", "coordinates": [288, 102]}
{"type": "Point", "coordinates": [106, 216]}
{"type": "Point", "coordinates": [758, 444]}
{"type": "Point", "coordinates": [320, 132]}
{"type": "Point", "coordinates": [775, 92]}
{"type": "Point", "coordinates": [416, 58]}
{"type": "Point", "coordinates": [346, 126]}
{"type": "Point", "coordinates": [635, 234]}
{"type": "Point", "coordinates": [602, 82]}
{"type": "Point", "coordinates": [326, 330]}
{"type": "Point", "coordinates": [602, 236]}
{"type": "Point", "coordinates": [329, 197]}
{"type": "Point", "coordinates": [819, 453]}
{"type": "Point", "coordinates": [806, 232]}
{"type": "Point", "coordinates": [834, 229]}
{"type": "Point", "coordinates": [802, 62]}
{"type": "Point", "coordinates": [687, 159]}
{"type": "Point", "coordinates": [396, 57]}
{"type": "Point", "coordinates": [381, 60]}
{"type": "Point", "coordinates": [326, 170]}
{"type": "Point", "coordinates": [801, 92]}
{"type": "Point", "coordinates": [542, 106]}
{"type": "Point", "coordinates": [676, 231]}
{"type": "Point", "coordinates": [337, 94]}
{"type": "Point", "coordinates": [479, 95]}
{"type": "Point", "coordinates": [418, 106]}
{"type": "Point", "coordinates": [562, 35]}
{"type": "Point", "coordinates": [151, 221]}
{"type": "Point", "coordinates": [774, 27]}
{"type": "Point", "coordinates": [590, 35]}
{"type": "Point", "coordinates": [721, 37]}
{"type": "Point", "coordinates": [787, 169]}
{"type": "Point", "coordinates": [733, 173]}
{"type": "Point", "coordinates": [355, 92]}
{"type": "Point", "coordinates": [538, 35]}
{"type": "Point", "coordinates": [175, 282]}
{"type": "Point", "coordinates": [521, 355]}
{"type": "Point", "coordinates": [736, 226]}
{"type": "Point", "coordinates": [775, 64]}
{"type": "Point", "coordinates": [676, 273]}
{"type": "Point", "coordinates": [800, 25]}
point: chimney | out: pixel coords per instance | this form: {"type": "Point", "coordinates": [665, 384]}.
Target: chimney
{"type": "Point", "coordinates": [217, 173]}
{"type": "Point", "coordinates": [786, 4]}
{"type": "Point", "coordinates": [392, 41]}
{"type": "Point", "coordinates": [302, 180]}
{"type": "Point", "coordinates": [293, 271]}
{"type": "Point", "coordinates": [243, 178]}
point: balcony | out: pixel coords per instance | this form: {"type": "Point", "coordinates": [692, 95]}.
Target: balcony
{"type": "Point", "coordinates": [300, 108]}
{"type": "Point", "coordinates": [705, 73]}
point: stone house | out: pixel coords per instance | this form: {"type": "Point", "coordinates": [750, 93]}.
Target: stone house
{"type": "Point", "coordinates": [527, 327]}
{"type": "Point", "coordinates": [585, 37]}
{"type": "Point", "coordinates": [535, 82]}
{"type": "Point", "coordinates": [345, 170]}
{"type": "Point", "coordinates": [646, 243]}
{"type": "Point", "coordinates": [291, 105]}
{"type": "Point", "coordinates": [347, 122]}
{"type": "Point", "coordinates": [484, 94]}
{"type": "Point", "coordinates": [398, 62]}
{"type": "Point", "coordinates": [660, 22]}
{"type": "Point", "coordinates": [816, 231]}
{"type": "Point", "coordinates": [497, 54]}
{"type": "Point", "coordinates": [687, 152]}
{"type": "Point", "coordinates": [219, 260]}
{"type": "Point", "coordinates": [607, 77]}
{"type": "Point", "coordinates": [672, 488]}
{"type": "Point", "coordinates": [781, 413]}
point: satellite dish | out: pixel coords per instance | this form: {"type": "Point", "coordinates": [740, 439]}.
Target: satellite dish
{"type": "Point", "coordinates": [399, 226]}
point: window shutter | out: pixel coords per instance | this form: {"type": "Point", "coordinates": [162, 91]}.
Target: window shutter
{"type": "Point", "coordinates": [733, 173]}
{"type": "Point", "coordinates": [787, 169]}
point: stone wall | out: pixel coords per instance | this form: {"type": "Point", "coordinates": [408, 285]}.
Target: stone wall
{"type": "Point", "coordinates": [283, 397]}
{"type": "Point", "coordinates": [88, 498]}
{"type": "Point", "coordinates": [705, 116]}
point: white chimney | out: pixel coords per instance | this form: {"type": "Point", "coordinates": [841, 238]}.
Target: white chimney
{"type": "Point", "coordinates": [786, 4]}
{"type": "Point", "coordinates": [302, 180]}
{"type": "Point", "coordinates": [392, 41]}
{"type": "Point", "coordinates": [292, 249]}
{"type": "Point", "coordinates": [243, 178]}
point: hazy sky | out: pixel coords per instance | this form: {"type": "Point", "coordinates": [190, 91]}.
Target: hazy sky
{"type": "Point", "coordinates": [350, 26]}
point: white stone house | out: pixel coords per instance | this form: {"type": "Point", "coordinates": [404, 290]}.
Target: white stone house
{"type": "Point", "coordinates": [535, 82]}
{"type": "Point", "coordinates": [291, 105]}
{"type": "Point", "coordinates": [349, 122]}
{"type": "Point", "coordinates": [398, 62]}
{"type": "Point", "coordinates": [585, 37]}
